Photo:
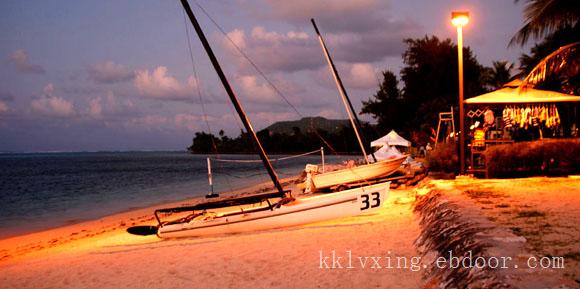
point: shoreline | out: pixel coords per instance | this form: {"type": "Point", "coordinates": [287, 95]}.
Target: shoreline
{"type": "Point", "coordinates": [517, 218]}
{"type": "Point", "coordinates": [23, 246]}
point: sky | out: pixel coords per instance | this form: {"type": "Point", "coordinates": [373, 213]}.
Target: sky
{"type": "Point", "coordinates": [120, 75]}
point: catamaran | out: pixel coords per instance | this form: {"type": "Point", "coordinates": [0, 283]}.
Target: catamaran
{"type": "Point", "coordinates": [361, 174]}
{"type": "Point", "coordinates": [262, 211]}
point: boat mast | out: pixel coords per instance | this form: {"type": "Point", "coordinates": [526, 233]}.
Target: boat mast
{"type": "Point", "coordinates": [233, 97]}
{"type": "Point", "coordinates": [356, 125]}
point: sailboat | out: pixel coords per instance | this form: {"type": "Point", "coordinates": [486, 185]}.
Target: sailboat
{"type": "Point", "coordinates": [262, 211]}
{"type": "Point", "coordinates": [362, 174]}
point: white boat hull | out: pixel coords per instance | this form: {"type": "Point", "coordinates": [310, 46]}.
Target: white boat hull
{"type": "Point", "coordinates": [358, 174]}
{"type": "Point", "coordinates": [301, 211]}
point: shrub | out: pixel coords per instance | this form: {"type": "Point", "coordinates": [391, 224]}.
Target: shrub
{"type": "Point", "coordinates": [543, 157]}
{"type": "Point", "coordinates": [443, 158]}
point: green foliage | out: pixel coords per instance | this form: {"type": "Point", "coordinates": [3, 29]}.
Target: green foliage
{"type": "Point", "coordinates": [430, 82]}
{"type": "Point", "coordinates": [387, 106]}
{"type": "Point", "coordinates": [551, 43]}
{"type": "Point", "coordinates": [443, 158]}
{"type": "Point", "coordinates": [431, 79]}
{"type": "Point", "coordinates": [562, 73]}
{"type": "Point", "coordinates": [203, 143]}
{"type": "Point", "coordinates": [499, 74]}
{"type": "Point", "coordinates": [549, 156]}
{"type": "Point", "coordinates": [308, 124]}
{"type": "Point", "coordinates": [342, 140]}
{"type": "Point", "coordinates": [545, 17]}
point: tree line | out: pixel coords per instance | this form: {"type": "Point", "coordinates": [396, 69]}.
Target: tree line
{"type": "Point", "coordinates": [427, 84]}
{"type": "Point", "coordinates": [340, 141]}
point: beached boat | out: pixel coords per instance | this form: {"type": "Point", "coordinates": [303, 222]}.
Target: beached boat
{"type": "Point", "coordinates": [203, 222]}
{"type": "Point", "coordinates": [359, 174]}
{"type": "Point", "coordinates": [258, 212]}
{"type": "Point", "coordinates": [362, 173]}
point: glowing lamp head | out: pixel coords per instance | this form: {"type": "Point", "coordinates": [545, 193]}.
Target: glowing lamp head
{"type": "Point", "coordinates": [460, 18]}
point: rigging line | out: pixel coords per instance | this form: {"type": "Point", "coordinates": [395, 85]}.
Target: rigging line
{"type": "Point", "coordinates": [197, 83]}
{"type": "Point", "coordinates": [198, 89]}
{"type": "Point", "coordinates": [240, 177]}
{"type": "Point", "coordinates": [270, 83]}
{"type": "Point", "coordinates": [248, 59]}
{"type": "Point", "coordinates": [272, 160]}
{"type": "Point", "coordinates": [243, 54]}
{"type": "Point", "coordinates": [322, 138]}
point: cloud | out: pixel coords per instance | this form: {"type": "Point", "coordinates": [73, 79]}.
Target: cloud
{"type": "Point", "coordinates": [362, 75]}
{"type": "Point", "coordinates": [330, 114]}
{"type": "Point", "coordinates": [20, 59]}
{"type": "Point", "coordinates": [187, 121]}
{"type": "Point", "coordinates": [354, 15]}
{"type": "Point", "coordinates": [255, 91]}
{"type": "Point", "coordinates": [354, 31]}
{"type": "Point", "coordinates": [178, 122]}
{"type": "Point", "coordinates": [273, 51]}
{"type": "Point", "coordinates": [148, 122]}
{"type": "Point", "coordinates": [6, 96]}
{"type": "Point", "coordinates": [3, 107]}
{"type": "Point", "coordinates": [263, 119]}
{"type": "Point", "coordinates": [108, 105]}
{"type": "Point", "coordinates": [110, 72]}
{"type": "Point", "coordinates": [53, 106]}
{"type": "Point", "coordinates": [353, 75]}
{"type": "Point", "coordinates": [160, 85]}
{"type": "Point", "coordinates": [237, 37]}
{"type": "Point", "coordinates": [369, 46]}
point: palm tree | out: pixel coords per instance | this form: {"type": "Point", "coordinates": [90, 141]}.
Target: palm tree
{"type": "Point", "coordinates": [558, 71]}
{"type": "Point", "coordinates": [499, 74]}
{"type": "Point", "coordinates": [550, 44]}
{"type": "Point", "coordinates": [546, 16]}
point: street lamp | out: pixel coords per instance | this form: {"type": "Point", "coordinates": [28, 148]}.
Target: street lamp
{"type": "Point", "coordinates": [460, 19]}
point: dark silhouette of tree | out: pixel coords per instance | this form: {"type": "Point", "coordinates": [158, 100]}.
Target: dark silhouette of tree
{"type": "Point", "coordinates": [543, 17]}
{"type": "Point", "coordinates": [430, 86]}
{"type": "Point", "coordinates": [431, 81]}
{"type": "Point", "coordinates": [499, 74]}
{"type": "Point", "coordinates": [203, 143]}
{"type": "Point", "coordinates": [550, 44]}
{"type": "Point", "coordinates": [342, 139]}
{"type": "Point", "coordinates": [387, 106]}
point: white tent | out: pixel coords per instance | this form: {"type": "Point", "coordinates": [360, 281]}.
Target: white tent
{"type": "Point", "coordinates": [391, 139]}
{"type": "Point", "coordinates": [384, 153]}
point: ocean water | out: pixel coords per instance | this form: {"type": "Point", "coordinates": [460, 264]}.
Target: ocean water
{"type": "Point", "coordinates": [45, 190]}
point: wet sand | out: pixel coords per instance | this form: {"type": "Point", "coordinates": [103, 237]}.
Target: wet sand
{"type": "Point", "coordinates": [520, 217]}
{"type": "Point", "coordinates": [100, 254]}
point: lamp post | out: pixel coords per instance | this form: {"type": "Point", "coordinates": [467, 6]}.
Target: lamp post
{"type": "Point", "coordinates": [460, 19]}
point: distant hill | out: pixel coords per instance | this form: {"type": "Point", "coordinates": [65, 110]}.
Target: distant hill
{"type": "Point", "coordinates": [307, 124]}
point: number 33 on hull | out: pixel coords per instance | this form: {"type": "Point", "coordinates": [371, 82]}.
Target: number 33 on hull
{"type": "Point", "coordinates": [301, 211]}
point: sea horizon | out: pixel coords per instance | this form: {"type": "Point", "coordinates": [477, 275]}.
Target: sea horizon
{"type": "Point", "coordinates": [44, 190]}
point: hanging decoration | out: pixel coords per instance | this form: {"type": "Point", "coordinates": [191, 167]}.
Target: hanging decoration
{"type": "Point", "coordinates": [531, 116]}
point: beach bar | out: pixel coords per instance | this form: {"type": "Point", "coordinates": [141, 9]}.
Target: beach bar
{"type": "Point", "coordinates": [517, 113]}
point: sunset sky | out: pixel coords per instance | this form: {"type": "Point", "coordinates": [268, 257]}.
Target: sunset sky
{"type": "Point", "coordinates": [117, 75]}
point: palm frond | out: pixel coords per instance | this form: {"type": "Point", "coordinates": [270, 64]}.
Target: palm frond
{"type": "Point", "coordinates": [565, 60]}
{"type": "Point", "coordinates": [544, 17]}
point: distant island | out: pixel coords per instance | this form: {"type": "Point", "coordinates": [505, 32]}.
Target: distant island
{"type": "Point", "coordinates": [308, 124]}
{"type": "Point", "coordinates": [306, 134]}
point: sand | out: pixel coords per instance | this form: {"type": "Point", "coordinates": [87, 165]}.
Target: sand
{"type": "Point", "coordinates": [100, 254]}
{"type": "Point", "coordinates": [531, 218]}
{"type": "Point", "coordinates": [525, 217]}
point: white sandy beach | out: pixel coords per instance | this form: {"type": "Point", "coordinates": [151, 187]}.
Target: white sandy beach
{"type": "Point", "coordinates": [100, 254]}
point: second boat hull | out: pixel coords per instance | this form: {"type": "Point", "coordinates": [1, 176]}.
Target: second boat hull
{"type": "Point", "coordinates": [302, 211]}
{"type": "Point", "coordinates": [357, 174]}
